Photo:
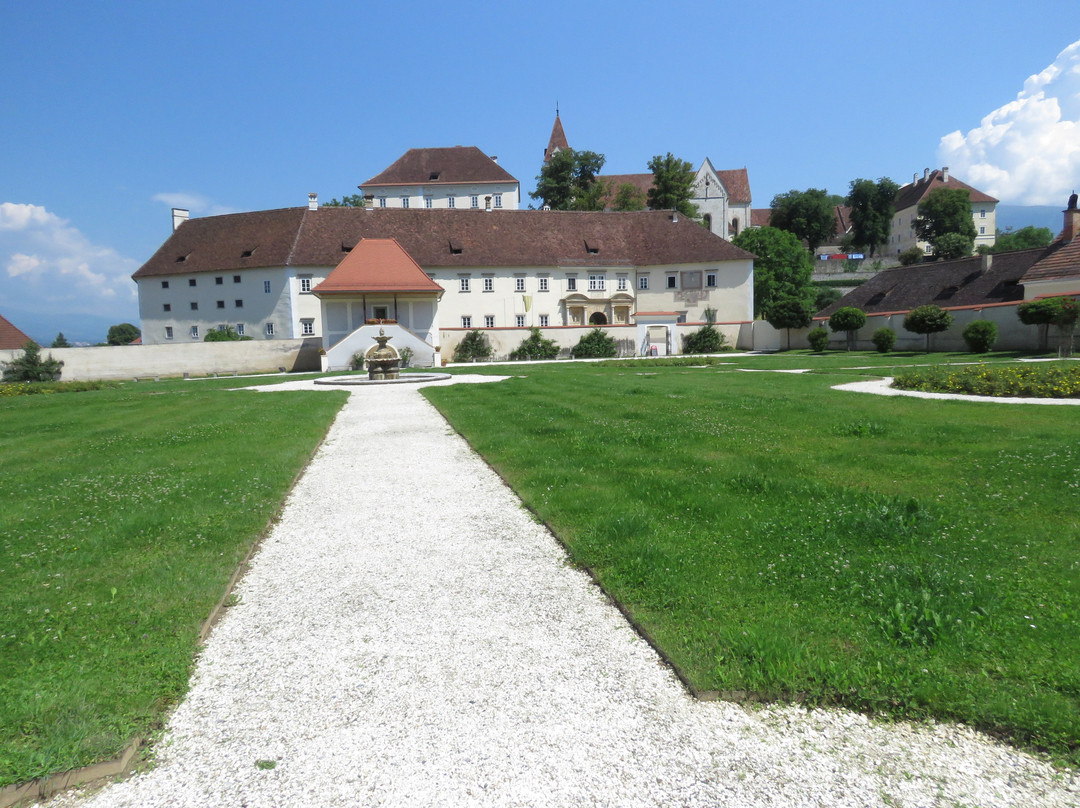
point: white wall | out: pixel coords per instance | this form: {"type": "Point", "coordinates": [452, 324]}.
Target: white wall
{"type": "Point", "coordinates": [440, 195]}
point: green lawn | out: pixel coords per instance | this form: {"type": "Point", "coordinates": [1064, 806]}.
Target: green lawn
{"type": "Point", "coordinates": [899, 556]}
{"type": "Point", "coordinates": [123, 514]}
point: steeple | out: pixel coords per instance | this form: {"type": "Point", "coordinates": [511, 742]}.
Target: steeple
{"type": "Point", "coordinates": [557, 141]}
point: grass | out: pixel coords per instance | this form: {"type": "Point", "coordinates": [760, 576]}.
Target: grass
{"type": "Point", "coordinates": [1044, 380]}
{"type": "Point", "coordinates": [123, 514]}
{"type": "Point", "coordinates": [902, 557]}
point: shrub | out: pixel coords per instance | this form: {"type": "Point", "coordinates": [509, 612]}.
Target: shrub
{"type": "Point", "coordinates": [980, 335]}
{"type": "Point", "coordinates": [535, 346]}
{"type": "Point", "coordinates": [30, 367]}
{"type": "Point", "coordinates": [406, 355]}
{"type": "Point", "coordinates": [474, 346]}
{"type": "Point", "coordinates": [706, 339]}
{"type": "Point", "coordinates": [912, 255]}
{"type": "Point", "coordinates": [356, 362]}
{"type": "Point", "coordinates": [226, 334]}
{"type": "Point", "coordinates": [848, 319]}
{"type": "Point", "coordinates": [928, 319]}
{"type": "Point", "coordinates": [884, 339]}
{"type": "Point", "coordinates": [818, 339]}
{"type": "Point", "coordinates": [595, 345]}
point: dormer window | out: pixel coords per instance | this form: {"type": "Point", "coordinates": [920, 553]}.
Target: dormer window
{"type": "Point", "coordinates": [433, 176]}
{"type": "Point", "coordinates": [592, 247]}
{"type": "Point", "coordinates": [455, 247]}
{"type": "Point", "coordinates": [182, 258]}
{"type": "Point", "coordinates": [247, 253]}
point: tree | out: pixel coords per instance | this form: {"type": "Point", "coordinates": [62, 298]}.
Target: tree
{"type": "Point", "coordinates": [673, 185]}
{"type": "Point", "coordinates": [122, 334]}
{"type": "Point", "coordinates": [706, 340]}
{"type": "Point", "coordinates": [789, 313]}
{"type": "Point", "coordinates": [952, 245]}
{"type": "Point", "coordinates": [782, 268]}
{"type": "Point", "coordinates": [628, 197]}
{"type": "Point", "coordinates": [928, 319]}
{"type": "Point", "coordinates": [595, 344]}
{"type": "Point", "coordinates": [226, 334]}
{"type": "Point", "coordinates": [912, 255]}
{"type": "Point", "coordinates": [30, 367]}
{"type": "Point", "coordinates": [1059, 311]}
{"type": "Point", "coordinates": [848, 319]}
{"type": "Point", "coordinates": [980, 335]}
{"type": "Point", "coordinates": [570, 176]}
{"type": "Point", "coordinates": [1025, 238]}
{"type": "Point", "coordinates": [884, 339]}
{"type": "Point", "coordinates": [808, 214]}
{"type": "Point", "coordinates": [825, 296]}
{"type": "Point", "coordinates": [474, 346]}
{"type": "Point", "coordinates": [353, 201]}
{"type": "Point", "coordinates": [60, 341]}
{"type": "Point", "coordinates": [946, 210]}
{"type": "Point", "coordinates": [872, 207]}
{"type": "Point", "coordinates": [535, 346]}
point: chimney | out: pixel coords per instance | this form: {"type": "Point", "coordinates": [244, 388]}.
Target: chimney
{"type": "Point", "coordinates": [987, 262]}
{"type": "Point", "coordinates": [1072, 221]}
{"type": "Point", "coordinates": [675, 215]}
{"type": "Point", "coordinates": [179, 216]}
{"type": "Point", "coordinates": [915, 178]}
{"type": "Point", "coordinates": [945, 174]}
{"type": "Point", "coordinates": [369, 201]}
{"type": "Point", "coordinates": [495, 159]}
{"type": "Point", "coordinates": [487, 203]}
{"type": "Point", "coordinates": [926, 173]}
{"type": "Point", "coordinates": [312, 201]}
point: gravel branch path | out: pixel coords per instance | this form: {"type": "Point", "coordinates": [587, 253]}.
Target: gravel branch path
{"type": "Point", "coordinates": [408, 635]}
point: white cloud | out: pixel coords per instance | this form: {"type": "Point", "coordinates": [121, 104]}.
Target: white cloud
{"type": "Point", "coordinates": [51, 266]}
{"type": "Point", "coordinates": [1027, 151]}
{"type": "Point", "coordinates": [196, 203]}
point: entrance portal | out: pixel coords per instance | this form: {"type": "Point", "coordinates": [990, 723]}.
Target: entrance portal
{"type": "Point", "coordinates": [598, 318]}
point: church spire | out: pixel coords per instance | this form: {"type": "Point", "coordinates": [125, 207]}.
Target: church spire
{"type": "Point", "coordinates": [557, 141]}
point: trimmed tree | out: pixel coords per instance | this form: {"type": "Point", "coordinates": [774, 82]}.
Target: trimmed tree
{"type": "Point", "coordinates": [473, 346]}
{"type": "Point", "coordinates": [980, 335]}
{"type": "Point", "coordinates": [30, 367]}
{"type": "Point", "coordinates": [789, 313]}
{"type": "Point", "coordinates": [884, 339]}
{"type": "Point", "coordinates": [535, 346]}
{"type": "Point", "coordinates": [1059, 311]}
{"type": "Point", "coordinates": [818, 339]}
{"type": "Point", "coordinates": [595, 345]}
{"type": "Point", "coordinates": [929, 319]}
{"type": "Point", "coordinates": [848, 319]}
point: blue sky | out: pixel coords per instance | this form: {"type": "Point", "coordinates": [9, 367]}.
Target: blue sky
{"type": "Point", "coordinates": [113, 113]}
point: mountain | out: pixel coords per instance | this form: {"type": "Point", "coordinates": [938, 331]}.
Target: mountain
{"type": "Point", "coordinates": [1017, 216]}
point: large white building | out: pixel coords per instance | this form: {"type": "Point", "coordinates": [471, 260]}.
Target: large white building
{"type": "Point", "coordinates": [266, 274]}
{"type": "Point", "coordinates": [454, 177]}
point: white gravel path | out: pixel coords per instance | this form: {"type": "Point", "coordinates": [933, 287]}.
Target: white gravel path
{"type": "Point", "coordinates": [409, 636]}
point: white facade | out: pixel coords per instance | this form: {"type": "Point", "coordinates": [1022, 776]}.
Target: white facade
{"type": "Point", "coordinates": [902, 237]}
{"type": "Point", "coordinates": [463, 196]}
{"type": "Point", "coordinates": [723, 216]}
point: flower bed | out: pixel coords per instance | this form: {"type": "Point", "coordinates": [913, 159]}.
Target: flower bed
{"type": "Point", "coordinates": [1056, 380]}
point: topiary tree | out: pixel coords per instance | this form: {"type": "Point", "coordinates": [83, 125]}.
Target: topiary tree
{"type": "Point", "coordinates": [912, 255]}
{"type": "Point", "coordinates": [789, 313]}
{"type": "Point", "coordinates": [980, 335]}
{"type": "Point", "coordinates": [30, 367]}
{"type": "Point", "coordinates": [928, 319]}
{"type": "Point", "coordinates": [1059, 311]}
{"type": "Point", "coordinates": [818, 339]}
{"type": "Point", "coordinates": [848, 319]}
{"type": "Point", "coordinates": [474, 346]}
{"type": "Point", "coordinates": [884, 339]}
{"type": "Point", "coordinates": [595, 345]}
{"type": "Point", "coordinates": [535, 346]}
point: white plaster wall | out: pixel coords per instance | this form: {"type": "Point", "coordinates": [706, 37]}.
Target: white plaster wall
{"type": "Point", "coordinates": [511, 195]}
{"type": "Point", "coordinates": [902, 236]}
{"type": "Point", "coordinates": [732, 297]}
{"type": "Point", "coordinates": [343, 316]}
{"type": "Point", "coordinates": [362, 340]}
{"type": "Point", "coordinates": [304, 305]}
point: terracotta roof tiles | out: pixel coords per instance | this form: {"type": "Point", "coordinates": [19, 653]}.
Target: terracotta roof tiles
{"type": "Point", "coordinates": [453, 165]}
{"type": "Point", "coordinates": [914, 192]}
{"type": "Point", "coordinates": [11, 337]}
{"type": "Point", "coordinates": [377, 265]}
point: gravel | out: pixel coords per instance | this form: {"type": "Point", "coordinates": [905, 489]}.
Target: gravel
{"type": "Point", "coordinates": [408, 635]}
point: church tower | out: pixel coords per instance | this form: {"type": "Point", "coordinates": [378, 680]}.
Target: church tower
{"type": "Point", "coordinates": [557, 141]}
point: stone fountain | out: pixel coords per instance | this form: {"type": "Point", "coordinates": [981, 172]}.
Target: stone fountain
{"type": "Point", "coordinates": [383, 362]}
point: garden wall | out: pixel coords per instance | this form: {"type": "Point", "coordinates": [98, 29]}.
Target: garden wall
{"type": "Point", "coordinates": [195, 359]}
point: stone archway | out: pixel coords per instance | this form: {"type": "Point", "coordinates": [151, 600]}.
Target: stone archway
{"type": "Point", "coordinates": [598, 318]}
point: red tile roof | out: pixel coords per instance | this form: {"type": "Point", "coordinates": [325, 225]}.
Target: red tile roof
{"type": "Point", "coordinates": [11, 337]}
{"type": "Point", "coordinates": [557, 141]}
{"type": "Point", "coordinates": [453, 165]}
{"type": "Point", "coordinates": [436, 238]}
{"type": "Point", "coordinates": [377, 265]}
{"type": "Point", "coordinates": [759, 217]}
{"type": "Point", "coordinates": [736, 182]}
{"type": "Point", "coordinates": [1060, 261]}
{"type": "Point", "coordinates": [913, 193]}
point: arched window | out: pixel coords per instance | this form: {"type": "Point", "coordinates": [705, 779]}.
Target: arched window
{"type": "Point", "coordinates": [598, 318]}
{"type": "Point", "coordinates": [735, 227]}
{"type": "Point", "coordinates": [707, 219]}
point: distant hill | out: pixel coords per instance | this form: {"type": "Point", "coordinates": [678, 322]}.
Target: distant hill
{"type": "Point", "coordinates": [1017, 216]}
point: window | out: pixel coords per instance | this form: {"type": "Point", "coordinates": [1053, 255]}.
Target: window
{"type": "Point", "coordinates": [164, 284]}
{"type": "Point", "coordinates": [380, 312]}
{"type": "Point", "coordinates": [236, 279]}
{"type": "Point", "coordinates": [382, 201]}
{"type": "Point", "coordinates": [307, 328]}
{"type": "Point", "coordinates": [519, 320]}
{"type": "Point", "coordinates": [474, 201]}
{"type": "Point", "coordinates": [239, 329]}
{"type": "Point", "coordinates": [451, 201]}
{"type": "Point", "coordinates": [221, 304]}
{"type": "Point", "coordinates": [982, 231]}
{"type": "Point", "coordinates": [621, 283]}
{"type": "Point", "coordinates": [191, 282]}
{"type": "Point", "coordinates": [982, 213]}
{"type": "Point", "coordinates": [670, 281]}
{"type": "Point", "coordinates": [194, 306]}
{"type": "Point", "coordinates": [194, 332]}
{"type": "Point", "coordinates": [266, 287]}
{"type": "Point", "coordinates": [489, 284]}
{"type": "Point", "coordinates": [404, 201]}
{"type": "Point", "coordinates": [167, 307]}
{"type": "Point", "coordinates": [463, 284]}
{"type": "Point", "coordinates": [543, 321]}
{"type": "Point", "coordinates": [168, 332]}
{"type": "Point", "coordinates": [305, 284]}
{"type": "Point", "coordinates": [643, 282]}
{"type": "Point", "coordinates": [219, 280]}
{"type": "Point", "coordinates": [596, 283]}
{"type": "Point", "coordinates": [710, 279]}
{"type": "Point", "coordinates": [239, 304]}
{"type": "Point", "coordinates": [571, 284]}
{"type": "Point", "coordinates": [222, 327]}
{"type": "Point", "coordinates": [543, 284]}
{"type": "Point", "coordinates": [489, 321]}
{"type": "Point", "coordinates": [498, 200]}
{"type": "Point", "coordinates": [466, 321]}
{"type": "Point", "coordinates": [519, 284]}
{"type": "Point", "coordinates": [429, 201]}
{"type": "Point", "coordinates": [269, 329]}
